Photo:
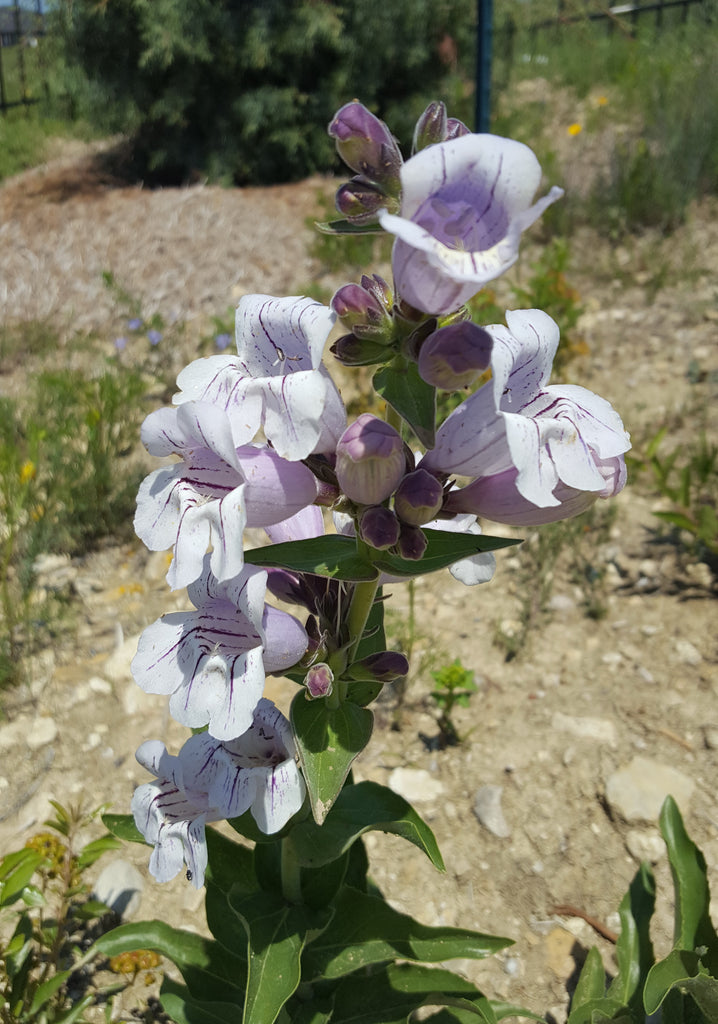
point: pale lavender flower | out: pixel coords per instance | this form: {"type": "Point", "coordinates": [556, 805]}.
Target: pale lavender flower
{"type": "Point", "coordinates": [154, 337]}
{"type": "Point", "coordinates": [120, 344]}
{"type": "Point", "coordinates": [213, 493]}
{"type": "Point", "coordinates": [277, 382]}
{"type": "Point", "coordinates": [210, 780]}
{"type": "Point", "coordinates": [212, 662]}
{"type": "Point", "coordinates": [547, 443]}
{"type": "Point", "coordinates": [464, 204]}
{"type": "Point", "coordinates": [222, 341]}
{"type": "Point", "coordinates": [135, 323]}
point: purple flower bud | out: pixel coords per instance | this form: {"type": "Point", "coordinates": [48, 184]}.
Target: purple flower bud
{"type": "Point", "coordinates": [412, 543]}
{"type": "Point", "coordinates": [370, 460]}
{"type": "Point", "coordinates": [359, 200]}
{"type": "Point", "coordinates": [455, 128]}
{"type": "Point", "coordinates": [431, 127]}
{"type": "Point", "coordinates": [418, 498]}
{"type": "Point", "coordinates": [379, 289]}
{"type": "Point", "coordinates": [319, 681]}
{"type": "Point", "coordinates": [384, 666]}
{"type": "Point", "coordinates": [356, 305]}
{"type": "Point", "coordinates": [352, 351]}
{"type": "Point", "coordinates": [366, 145]}
{"type": "Point", "coordinates": [454, 356]}
{"type": "Point", "coordinates": [379, 527]}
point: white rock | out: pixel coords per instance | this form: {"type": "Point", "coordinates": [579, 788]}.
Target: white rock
{"type": "Point", "coordinates": [42, 732]}
{"type": "Point", "coordinates": [687, 653]}
{"type": "Point", "coordinates": [99, 685]}
{"type": "Point", "coordinates": [710, 736]}
{"type": "Point", "coordinates": [600, 729]}
{"type": "Point", "coordinates": [120, 886]}
{"type": "Point", "coordinates": [636, 791]}
{"type": "Point", "coordinates": [645, 844]}
{"type": "Point", "coordinates": [487, 808]}
{"type": "Point", "coordinates": [415, 785]}
{"type": "Point", "coordinates": [117, 666]}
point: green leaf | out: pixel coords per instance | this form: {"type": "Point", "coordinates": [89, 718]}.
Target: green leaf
{"type": "Point", "coordinates": [96, 848]}
{"type": "Point", "coordinates": [634, 949]}
{"type": "Point", "coordinates": [183, 1009]}
{"type": "Point", "coordinates": [366, 930]}
{"type": "Point", "coordinates": [373, 638]}
{"type": "Point", "coordinates": [328, 741]}
{"type": "Point", "coordinates": [347, 227]}
{"type": "Point", "coordinates": [595, 1010]}
{"type": "Point", "coordinates": [443, 549]}
{"type": "Point", "coordinates": [123, 826]}
{"type": "Point", "coordinates": [19, 947]}
{"type": "Point", "coordinates": [276, 933]}
{"type": "Point", "coordinates": [75, 1011]}
{"type": "Point", "coordinates": [390, 996]}
{"type": "Point", "coordinates": [681, 970]}
{"type": "Point", "coordinates": [206, 966]}
{"type": "Point", "coordinates": [693, 926]}
{"type": "Point", "coordinates": [332, 556]}
{"type": "Point", "coordinates": [591, 983]}
{"type": "Point", "coordinates": [365, 807]}
{"type": "Point", "coordinates": [16, 870]}
{"type": "Point", "coordinates": [399, 384]}
{"type": "Point", "coordinates": [315, 1012]}
{"type": "Point", "coordinates": [229, 863]}
{"type": "Point", "coordinates": [47, 990]}
{"type": "Point", "coordinates": [502, 1010]}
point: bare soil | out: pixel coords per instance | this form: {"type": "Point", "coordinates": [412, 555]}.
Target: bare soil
{"type": "Point", "coordinates": [579, 700]}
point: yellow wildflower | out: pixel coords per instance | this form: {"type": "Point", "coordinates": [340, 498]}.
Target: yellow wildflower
{"type": "Point", "coordinates": [575, 128]}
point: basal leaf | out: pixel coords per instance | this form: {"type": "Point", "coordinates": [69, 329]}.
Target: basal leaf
{"type": "Point", "coordinates": [693, 926]}
{"type": "Point", "coordinates": [634, 949]}
{"type": "Point", "coordinates": [400, 385]}
{"type": "Point", "coordinates": [591, 984]}
{"type": "Point", "coordinates": [681, 970]}
{"type": "Point", "coordinates": [365, 807]}
{"type": "Point", "coordinates": [366, 930]}
{"type": "Point", "coordinates": [443, 549]}
{"type": "Point", "coordinates": [328, 740]}
{"type": "Point", "coordinates": [331, 555]}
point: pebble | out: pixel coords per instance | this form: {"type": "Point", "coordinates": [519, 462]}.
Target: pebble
{"type": "Point", "coordinates": [487, 808]}
{"type": "Point", "coordinates": [687, 653]}
{"type": "Point", "coordinates": [415, 784]}
{"type": "Point", "coordinates": [600, 729]}
{"type": "Point", "coordinates": [637, 790]}
{"type": "Point", "coordinates": [645, 844]}
{"type": "Point", "coordinates": [710, 736]}
{"type": "Point", "coordinates": [117, 666]}
{"type": "Point", "coordinates": [120, 886]}
{"type": "Point", "coordinates": [42, 732]}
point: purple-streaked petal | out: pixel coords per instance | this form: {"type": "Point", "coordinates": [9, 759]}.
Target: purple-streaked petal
{"type": "Point", "coordinates": [276, 337]}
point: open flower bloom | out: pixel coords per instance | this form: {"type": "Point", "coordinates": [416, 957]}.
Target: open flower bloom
{"type": "Point", "coordinates": [212, 661]}
{"type": "Point", "coordinates": [277, 381]}
{"type": "Point", "coordinates": [210, 780]}
{"type": "Point", "coordinates": [464, 205]}
{"type": "Point", "coordinates": [213, 493]}
{"type": "Point", "coordinates": [554, 448]}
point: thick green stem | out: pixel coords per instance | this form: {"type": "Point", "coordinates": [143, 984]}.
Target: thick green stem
{"type": "Point", "coordinates": [291, 873]}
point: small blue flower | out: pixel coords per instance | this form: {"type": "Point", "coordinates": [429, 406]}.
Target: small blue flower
{"type": "Point", "coordinates": [222, 341]}
{"type": "Point", "coordinates": [154, 337]}
{"type": "Point", "coordinates": [120, 344]}
{"type": "Point", "coordinates": [135, 324]}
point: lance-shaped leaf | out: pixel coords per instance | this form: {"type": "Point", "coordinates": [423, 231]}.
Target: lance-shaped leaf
{"type": "Point", "coordinates": [123, 826]}
{"type": "Point", "coordinates": [332, 556]}
{"type": "Point", "coordinates": [591, 984]}
{"type": "Point", "coordinates": [362, 808]}
{"type": "Point", "coordinates": [693, 926]}
{"type": "Point", "coordinates": [207, 968]}
{"type": "Point", "coordinates": [400, 385]}
{"type": "Point", "coordinates": [390, 996]}
{"type": "Point", "coordinates": [634, 949]}
{"type": "Point", "coordinates": [443, 549]}
{"type": "Point", "coordinates": [346, 227]}
{"type": "Point", "coordinates": [366, 930]}
{"type": "Point", "coordinates": [682, 970]}
{"type": "Point", "coordinates": [328, 740]}
{"type": "Point", "coordinates": [16, 870]}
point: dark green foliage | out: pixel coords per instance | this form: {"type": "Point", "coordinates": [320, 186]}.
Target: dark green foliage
{"type": "Point", "coordinates": [241, 90]}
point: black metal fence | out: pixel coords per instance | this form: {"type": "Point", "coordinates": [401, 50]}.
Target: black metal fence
{"type": "Point", "coordinates": [22, 31]}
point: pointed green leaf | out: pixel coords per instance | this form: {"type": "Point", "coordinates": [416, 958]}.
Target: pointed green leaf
{"type": "Point", "coordinates": [400, 385]}
{"type": "Point", "coordinates": [332, 556]}
{"type": "Point", "coordinates": [276, 933]}
{"type": "Point", "coordinates": [595, 1010]}
{"type": "Point", "coordinates": [16, 870]}
{"type": "Point", "coordinates": [366, 930]}
{"type": "Point", "coordinates": [634, 949]}
{"type": "Point", "coordinates": [183, 1009]}
{"type": "Point", "coordinates": [443, 549]}
{"type": "Point", "coordinates": [47, 990]}
{"type": "Point", "coordinates": [206, 966]}
{"type": "Point", "coordinates": [693, 926]}
{"type": "Point", "coordinates": [347, 227]}
{"type": "Point", "coordinates": [681, 970]}
{"type": "Point", "coordinates": [365, 807]}
{"type": "Point", "coordinates": [19, 948]}
{"type": "Point", "coordinates": [390, 996]}
{"type": "Point", "coordinates": [123, 826]}
{"type": "Point", "coordinates": [328, 740]}
{"type": "Point", "coordinates": [96, 848]}
{"type": "Point", "coordinates": [502, 1010]}
{"type": "Point", "coordinates": [591, 983]}
{"type": "Point", "coordinates": [75, 1011]}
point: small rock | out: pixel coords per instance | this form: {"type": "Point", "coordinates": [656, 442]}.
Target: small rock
{"type": "Point", "coordinates": [117, 666]}
{"type": "Point", "coordinates": [415, 785]}
{"type": "Point", "coordinates": [120, 887]}
{"type": "Point", "coordinates": [710, 736]}
{"type": "Point", "coordinates": [612, 658]}
{"type": "Point", "coordinates": [487, 808]}
{"type": "Point", "coordinates": [562, 603]}
{"type": "Point", "coordinates": [42, 732]}
{"type": "Point", "coordinates": [687, 653]}
{"type": "Point", "coordinates": [645, 844]}
{"type": "Point", "coordinates": [601, 729]}
{"type": "Point", "coordinates": [636, 792]}
{"type": "Point", "coordinates": [559, 944]}
{"type": "Point", "coordinates": [99, 685]}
